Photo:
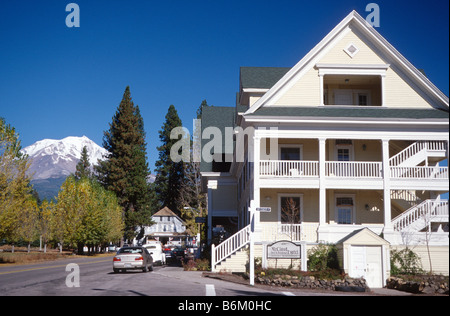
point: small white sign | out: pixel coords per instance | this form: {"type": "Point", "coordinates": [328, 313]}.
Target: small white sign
{"type": "Point", "coordinates": [283, 250]}
{"type": "Point", "coordinates": [264, 209]}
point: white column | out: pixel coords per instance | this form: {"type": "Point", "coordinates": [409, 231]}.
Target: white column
{"type": "Point", "coordinates": [321, 90]}
{"type": "Point", "coordinates": [386, 186]}
{"type": "Point", "coordinates": [322, 189]}
{"type": "Point", "coordinates": [256, 189]}
{"type": "Point", "coordinates": [252, 249]}
{"type": "Point", "coordinates": [212, 185]}
{"type": "Point", "coordinates": [383, 98]}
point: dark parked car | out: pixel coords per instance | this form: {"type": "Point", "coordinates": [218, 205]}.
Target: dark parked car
{"type": "Point", "coordinates": [131, 258]}
{"type": "Point", "coordinates": [179, 253]}
{"type": "Point", "coordinates": [169, 254]}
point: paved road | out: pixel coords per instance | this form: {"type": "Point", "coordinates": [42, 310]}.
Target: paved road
{"type": "Point", "coordinates": [96, 279]}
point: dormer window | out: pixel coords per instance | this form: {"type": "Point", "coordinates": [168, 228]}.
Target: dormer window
{"type": "Point", "coordinates": [354, 85]}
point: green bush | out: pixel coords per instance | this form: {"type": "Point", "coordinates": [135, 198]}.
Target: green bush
{"type": "Point", "coordinates": [322, 257]}
{"type": "Point", "coordinates": [405, 261]}
{"type": "Point", "coordinates": [196, 265]}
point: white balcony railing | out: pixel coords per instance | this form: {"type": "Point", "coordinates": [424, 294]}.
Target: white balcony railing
{"type": "Point", "coordinates": [347, 169]}
{"type": "Point", "coordinates": [292, 232]}
{"type": "Point", "coordinates": [419, 172]}
{"type": "Point", "coordinates": [353, 169]}
{"type": "Point", "coordinates": [279, 168]}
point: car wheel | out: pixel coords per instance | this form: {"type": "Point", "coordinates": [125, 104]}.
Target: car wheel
{"type": "Point", "coordinates": [151, 267]}
{"type": "Point", "coordinates": [144, 269]}
{"type": "Point", "coordinates": [116, 270]}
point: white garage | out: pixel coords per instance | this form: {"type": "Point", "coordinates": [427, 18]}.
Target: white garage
{"type": "Point", "coordinates": [364, 254]}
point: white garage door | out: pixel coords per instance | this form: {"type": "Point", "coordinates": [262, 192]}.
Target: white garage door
{"type": "Point", "coordinates": [365, 262]}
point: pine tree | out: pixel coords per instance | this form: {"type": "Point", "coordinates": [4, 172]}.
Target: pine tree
{"type": "Point", "coordinates": [125, 170]}
{"type": "Point", "coordinates": [170, 174]}
{"type": "Point", "coordinates": [83, 168]}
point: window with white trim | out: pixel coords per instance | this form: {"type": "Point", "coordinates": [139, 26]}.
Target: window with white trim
{"type": "Point", "coordinates": [290, 152]}
{"type": "Point", "coordinates": [290, 208]}
{"type": "Point", "coordinates": [344, 209]}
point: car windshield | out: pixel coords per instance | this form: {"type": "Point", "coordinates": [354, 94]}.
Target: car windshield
{"type": "Point", "coordinates": [130, 250]}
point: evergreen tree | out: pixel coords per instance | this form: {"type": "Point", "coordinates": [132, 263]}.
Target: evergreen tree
{"type": "Point", "coordinates": [83, 168]}
{"type": "Point", "coordinates": [125, 170]}
{"type": "Point", "coordinates": [170, 174]}
{"type": "Point", "coordinates": [200, 109]}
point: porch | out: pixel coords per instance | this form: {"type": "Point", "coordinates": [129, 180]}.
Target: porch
{"type": "Point", "coordinates": [272, 169]}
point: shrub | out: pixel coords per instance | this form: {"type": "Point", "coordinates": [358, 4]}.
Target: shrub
{"type": "Point", "coordinates": [405, 261]}
{"type": "Point", "coordinates": [196, 265]}
{"type": "Point", "coordinates": [322, 257]}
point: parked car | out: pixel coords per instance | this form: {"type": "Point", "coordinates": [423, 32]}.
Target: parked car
{"type": "Point", "coordinates": [131, 258]}
{"type": "Point", "coordinates": [155, 248]}
{"type": "Point", "coordinates": [179, 252]}
{"type": "Point", "coordinates": [112, 248]}
{"type": "Point", "coordinates": [168, 254]}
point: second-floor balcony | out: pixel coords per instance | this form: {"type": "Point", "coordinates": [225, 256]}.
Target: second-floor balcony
{"type": "Point", "coordinates": [346, 170]}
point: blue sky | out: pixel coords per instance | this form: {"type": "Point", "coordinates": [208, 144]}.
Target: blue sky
{"type": "Point", "coordinates": [57, 81]}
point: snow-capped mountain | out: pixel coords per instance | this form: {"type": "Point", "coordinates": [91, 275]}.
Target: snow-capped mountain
{"type": "Point", "coordinates": [58, 158]}
{"type": "Point", "coordinates": [53, 160]}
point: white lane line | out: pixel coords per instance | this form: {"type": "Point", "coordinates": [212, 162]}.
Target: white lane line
{"type": "Point", "coordinates": [210, 290]}
{"type": "Point", "coordinates": [288, 293]}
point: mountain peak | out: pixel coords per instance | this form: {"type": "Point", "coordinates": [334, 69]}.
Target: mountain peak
{"type": "Point", "coordinates": [52, 158]}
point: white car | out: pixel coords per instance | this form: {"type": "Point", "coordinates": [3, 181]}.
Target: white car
{"type": "Point", "coordinates": [130, 258]}
{"type": "Point", "coordinates": [155, 248]}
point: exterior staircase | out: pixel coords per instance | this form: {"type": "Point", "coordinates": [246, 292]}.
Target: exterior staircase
{"type": "Point", "coordinates": [229, 255]}
{"type": "Point", "coordinates": [421, 215]}
{"type": "Point", "coordinates": [236, 262]}
{"type": "Point", "coordinates": [418, 152]}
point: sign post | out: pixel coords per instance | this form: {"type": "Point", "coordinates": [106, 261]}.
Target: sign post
{"type": "Point", "coordinates": [252, 250]}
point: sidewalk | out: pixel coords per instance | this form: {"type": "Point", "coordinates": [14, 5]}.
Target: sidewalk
{"type": "Point", "coordinates": [237, 279]}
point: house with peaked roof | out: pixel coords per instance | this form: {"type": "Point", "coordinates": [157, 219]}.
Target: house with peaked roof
{"type": "Point", "coordinates": [350, 140]}
{"type": "Point", "coordinates": [168, 228]}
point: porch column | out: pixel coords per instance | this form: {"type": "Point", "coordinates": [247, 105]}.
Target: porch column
{"type": "Point", "coordinates": [256, 187]}
{"type": "Point", "coordinates": [212, 185]}
{"type": "Point", "coordinates": [322, 189]}
{"type": "Point", "coordinates": [386, 186]}
{"type": "Point", "coordinates": [321, 90]}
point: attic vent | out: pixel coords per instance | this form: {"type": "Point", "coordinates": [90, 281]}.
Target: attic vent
{"type": "Point", "coordinates": [351, 50]}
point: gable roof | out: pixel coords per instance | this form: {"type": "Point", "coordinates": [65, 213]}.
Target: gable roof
{"type": "Point", "coordinates": [219, 117]}
{"type": "Point", "coordinates": [382, 44]}
{"type": "Point", "coordinates": [363, 236]}
{"type": "Point", "coordinates": [165, 211]}
{"type": "Point", "coordinates": [261, 77]}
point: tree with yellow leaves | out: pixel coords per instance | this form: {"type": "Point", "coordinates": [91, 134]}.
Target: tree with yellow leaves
{"type": "Point", "coordinates": [17, 204]}
{"type": "Point", "coordinates": [86, 214]}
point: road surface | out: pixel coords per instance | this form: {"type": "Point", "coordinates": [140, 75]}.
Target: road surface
{"type": "Point", "coordinates": [94, 277]}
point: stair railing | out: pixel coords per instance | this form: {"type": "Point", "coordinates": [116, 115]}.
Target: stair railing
{"type": "Point", "coordinates": [229, 246]}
